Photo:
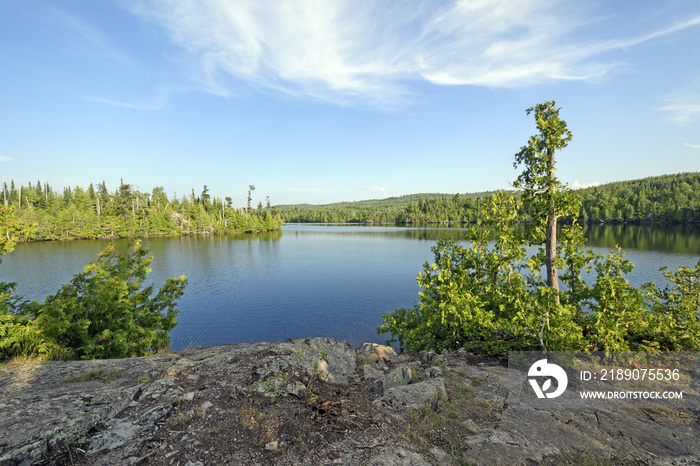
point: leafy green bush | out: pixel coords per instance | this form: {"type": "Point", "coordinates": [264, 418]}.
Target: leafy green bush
{"type": "Point", "coordinates": [102, 313]}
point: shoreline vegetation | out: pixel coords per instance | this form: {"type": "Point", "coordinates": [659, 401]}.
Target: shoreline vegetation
{"type": "Point", "coordinates": [97, 213]}
{"type": "Point", "coordinates": [665, 199]}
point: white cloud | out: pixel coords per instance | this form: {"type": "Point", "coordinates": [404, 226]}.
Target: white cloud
{"type": "Point", "coordinates": [350, 51]}
{"type": "Point", "coordinates": [375, 189]}
{"type": "Point", "coordinates": [578, 185]}
{"type": "Point", "coordinates": [692, 146]}
{"type": "Point", "coordinates": [4, 158]}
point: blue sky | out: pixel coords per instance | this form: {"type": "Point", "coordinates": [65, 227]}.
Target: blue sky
{"type": "Point", "coordinates": [318, 101]}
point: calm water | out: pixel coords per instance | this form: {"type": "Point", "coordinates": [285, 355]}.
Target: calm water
{"type": "Point", "coordinates": [307, 280]}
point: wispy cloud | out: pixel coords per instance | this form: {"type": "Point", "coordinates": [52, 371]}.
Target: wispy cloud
{"type": "Point", "coordinates": [578, 185]}
{"type": "Point", "coordinates": [672, 29]}
{"type": "Point", "coordinates": [4, 158]}
{"type": "Point", "coordinates": [349, 51]}
{"type": "Point", "coordinates": [158, 103]}
{"type": "Point", "coordinates": [692, 146]}
{"type": "Point", "coordinates": [88, 40]}
{"type": "Point", "coordinates": [683, 107]}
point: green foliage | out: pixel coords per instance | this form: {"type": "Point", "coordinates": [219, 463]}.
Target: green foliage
{"type": "Point", "coordinates": [127, 212]}
{"type": "Point", "coordinates": [538, 179]}
{"type": "Point", "coordinates": [102, 313]}
{"type": "Point", "coordinates": [658, 199]}
{"type": "Point", "coordinates": [12, 328]}
{"type": "Point", "coordinates": [11, 230]}
{"type": "Point", "coordinates": [674, 309]}
{"type": "Point", "coordinates": [491, 296]}
{"type": "Point", "coordinates": [410, 209]}
{"type": "Point", "coordinates": [471, 296]}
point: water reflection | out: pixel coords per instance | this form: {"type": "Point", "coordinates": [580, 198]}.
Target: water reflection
{"type": "Point", "coordinates": [681, 239]}
{"type": "Point", "coordinates": [347, 230]}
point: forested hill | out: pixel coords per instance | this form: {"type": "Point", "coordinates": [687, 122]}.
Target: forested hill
{"type": "Point", "coordinates": [97, 212]}
{"type": "Point", "coordinates": [658, 199]}
{"type": "Point", "coordinates": [389, 210]}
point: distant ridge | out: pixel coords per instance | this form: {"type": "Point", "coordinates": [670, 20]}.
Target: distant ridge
{"type": "Point", "coordinates": [406, 199]}
{"type": "Point", "coordinates": [673, 198]}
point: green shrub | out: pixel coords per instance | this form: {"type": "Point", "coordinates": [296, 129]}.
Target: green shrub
{"type": "Point", "coordinates": [102, 313]}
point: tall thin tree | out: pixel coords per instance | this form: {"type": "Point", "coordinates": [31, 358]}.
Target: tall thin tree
{"type": "Point", "coordinates": [544, 195]}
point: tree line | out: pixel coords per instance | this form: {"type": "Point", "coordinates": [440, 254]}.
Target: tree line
{"type": "Point", "coordinates": [667, 199]}
{"type": "Point", "coordinates": [97, 212]}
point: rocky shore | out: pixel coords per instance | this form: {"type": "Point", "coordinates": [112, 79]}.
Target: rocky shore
{"type": "Point", "coordinates": [309, 402]}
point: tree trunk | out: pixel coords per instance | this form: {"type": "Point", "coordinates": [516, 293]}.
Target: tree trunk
{"type": "Point", "coordinates": [551, 250]}
{"type": "Point", "coordinates": [551, 233]}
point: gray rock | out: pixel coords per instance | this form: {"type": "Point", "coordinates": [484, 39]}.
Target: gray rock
{"type": "Point", "coordinates": [442, 458]}
{"type": "Point", "coordinates": [119, 433]}
{"type": "Point", "coordinates": [51, 409]}
{"type": "Point", "coordinates": [46, 405]}
{"type": "Point", "coordinates": [159, 387]}
{"type": "Point", "coordinates": [371, 372]}
{"type": "Point", "coordinates": [60, 402]}
{"type": "Point", "coordinates": [397, 456]}
{"type": "Point", "coordinates": [426, 356]}
{"type": "Point", "coordinates": [431, 373]}
{"type": "Point", "coordinates": [406, 398]}
{"type": "Point", "coordinates": [205, 406]}
{"type": "Point", "coordinates": [489, 384]}
{"type": "Point", "coordinates": [395, 378]}
{"type": "Point", "coordinates": [323, 358]}
{"type": "Point", "coordinates": [380, 352]}
{"type": "Point", "coordinates": [429, 357]}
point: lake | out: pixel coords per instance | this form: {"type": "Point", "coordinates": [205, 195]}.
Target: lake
{"type": "Point", "coordinates": [308, 280]}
